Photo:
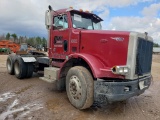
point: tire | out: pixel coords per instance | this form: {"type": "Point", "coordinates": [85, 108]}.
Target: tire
{"type": "Point", "coordinates": [10, 64]}
{"type": "Point", "coordinates": [60, 84]}
{"type": "Point", "coordinates": [79, 87]}
{"type": "Point", "coordinates": [30, 69]}
{"type": "Point", "coordinates": [20, 68]}
{"type": "Point", "coordinates": [8, 51]}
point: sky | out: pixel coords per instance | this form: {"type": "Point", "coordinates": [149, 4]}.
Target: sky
{"type": "Point", "coordinates": [26, 17]}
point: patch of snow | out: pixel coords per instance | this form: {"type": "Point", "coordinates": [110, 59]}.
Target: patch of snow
{"type": "Point", "coordinates": [13, 108]}
{"type": "Point", "coordinates": [4, 97]}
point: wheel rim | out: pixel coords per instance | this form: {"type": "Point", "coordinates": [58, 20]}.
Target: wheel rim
{"type": "Point", "coordinates": [9, 65]}
{"type": "Point", "coordinates": [75, 88]}
{"type": "Point", "coordinates": [16, 67]}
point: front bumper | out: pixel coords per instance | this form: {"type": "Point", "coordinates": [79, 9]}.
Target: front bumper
{"type": "Point", "coordinates": [112, 91]}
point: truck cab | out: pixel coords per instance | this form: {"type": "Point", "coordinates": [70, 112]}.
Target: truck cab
{"type": "Point", "coordinates": [92, 64]}
{"type": "Point", "coordinates": [65, 32]}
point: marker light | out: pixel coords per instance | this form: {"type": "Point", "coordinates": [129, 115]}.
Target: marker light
{"type": "Point", "coordinates": [87, 11]}
{"type": "Point", "coordinates": [69, 9]}
{"type": "Point", "coordinates": [80, 10]}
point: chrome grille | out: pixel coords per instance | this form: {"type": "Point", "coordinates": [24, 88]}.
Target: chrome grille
{"type": "Point", "coordinates": [144, 56]}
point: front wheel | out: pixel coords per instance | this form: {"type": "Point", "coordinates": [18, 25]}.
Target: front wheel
{"type": "Point", "coordinates": [79, 87]}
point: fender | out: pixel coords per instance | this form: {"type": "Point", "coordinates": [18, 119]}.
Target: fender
{"type": "Point", "coordinates": [28, 59]}
{"type": "Point", "coordinates": [99, 70]}
{"type": "Point", "coordinates": [94, 63]}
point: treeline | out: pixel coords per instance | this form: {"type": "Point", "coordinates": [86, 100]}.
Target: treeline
{"type": "Point", "coordinates": [156, 45]}
{"type": "Point", "coordinates": [32, 41]}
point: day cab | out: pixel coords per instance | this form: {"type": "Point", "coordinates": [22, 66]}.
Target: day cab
{"type": "Point", "coordinates": [92, 64]}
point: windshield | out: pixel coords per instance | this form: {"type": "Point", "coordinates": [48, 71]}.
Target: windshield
{"type": "Point", "coordinates": [85, 21]}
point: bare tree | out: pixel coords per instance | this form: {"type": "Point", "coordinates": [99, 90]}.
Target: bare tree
{"type": "Point", "coordinates": [2, 37]}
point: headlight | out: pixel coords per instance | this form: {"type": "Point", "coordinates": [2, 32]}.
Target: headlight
{"type": "Point", "coordinates": [122, 70]}
{"type": "Point", "coordinates": [126, 69]}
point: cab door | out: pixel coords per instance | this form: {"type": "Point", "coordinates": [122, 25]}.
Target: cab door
{"type": "Point", "coordinates": [60, 37]}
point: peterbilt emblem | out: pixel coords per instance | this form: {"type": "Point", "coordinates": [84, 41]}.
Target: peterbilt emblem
{"type": "Point", "coordinates": [117, 38]}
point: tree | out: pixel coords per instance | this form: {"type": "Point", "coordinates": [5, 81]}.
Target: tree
{"type": "Point", "coordinates": [38, 40]}
{"type": "Point", "coordinates": [8, 36]}
{"type": "Point", "coordinates": [44, 42]}
{"type": "Point", "coordinates": [156, 45]}
{"type": "Point", "coordinates": [31, 41]}
{"type": "Point", "coordinates": [14, 36]}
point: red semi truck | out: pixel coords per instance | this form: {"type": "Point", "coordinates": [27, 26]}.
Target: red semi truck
{"type": "Point", "coordinates": [92, 64]}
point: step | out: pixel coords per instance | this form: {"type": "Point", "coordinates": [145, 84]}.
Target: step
{"type": "Point", "coordinates": [47, 80]}
{"type": "Point", "coordinates": [50, 74]}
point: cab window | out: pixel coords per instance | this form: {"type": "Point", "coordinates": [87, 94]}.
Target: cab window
{"type": "Point", "coordinates": [81, 20]}
{"type": "Point", "coordinates": [60, 22]}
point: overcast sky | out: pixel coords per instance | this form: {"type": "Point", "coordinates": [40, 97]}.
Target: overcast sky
{"type": "Point", "coordinates": [26, 17]}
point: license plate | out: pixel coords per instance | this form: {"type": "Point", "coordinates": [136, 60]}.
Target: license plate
{"type": "Point", "coordinates": [141, 85]}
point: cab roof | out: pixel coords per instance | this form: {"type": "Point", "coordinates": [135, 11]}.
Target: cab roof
{"type": "Point", "coordinates": [61, 11]}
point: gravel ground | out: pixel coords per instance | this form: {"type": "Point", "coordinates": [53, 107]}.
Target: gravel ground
{"type": "Point", "coordinates": [33, 99]}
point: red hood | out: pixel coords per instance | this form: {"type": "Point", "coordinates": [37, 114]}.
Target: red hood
{"type": "Point", "coordinates": [110, 47]}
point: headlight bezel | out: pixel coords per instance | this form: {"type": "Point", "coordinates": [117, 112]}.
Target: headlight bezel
{"type": "Point", "coordinates": [122, 70]}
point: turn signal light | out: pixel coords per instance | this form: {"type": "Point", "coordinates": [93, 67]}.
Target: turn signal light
{"type": "Point", "coordinates": [87, 11]}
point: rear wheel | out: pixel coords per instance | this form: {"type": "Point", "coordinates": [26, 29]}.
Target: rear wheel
{"type": "Point", "coordinates": [30, 69]}
{"type": "Point", "coordinates": [20, 68]}
{"type": "Point", "coordinates": [10, 64]}
{"type": "Point", "coordinates": [79, 87]}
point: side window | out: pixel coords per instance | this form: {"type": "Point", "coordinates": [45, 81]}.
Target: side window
{"type": "Point", "coordinates": [65, 22]}
{"type": "Point", "coordinates": [60, 22]}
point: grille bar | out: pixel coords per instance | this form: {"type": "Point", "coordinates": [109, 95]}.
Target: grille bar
{"type": "Point", "coordinates": [144, 56]}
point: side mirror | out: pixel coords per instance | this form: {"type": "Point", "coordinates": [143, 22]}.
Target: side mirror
{"type": "Point", "coordinates": [56, 27]}
{"type": "Point", "coordinates": [48, 19]}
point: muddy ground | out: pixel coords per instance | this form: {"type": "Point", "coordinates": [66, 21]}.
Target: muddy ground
{"type": "Point", "coordinates": [33, 99]}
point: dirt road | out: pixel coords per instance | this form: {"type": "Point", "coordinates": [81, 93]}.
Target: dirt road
{"type": "Point", "coordinates": [33, 99]}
